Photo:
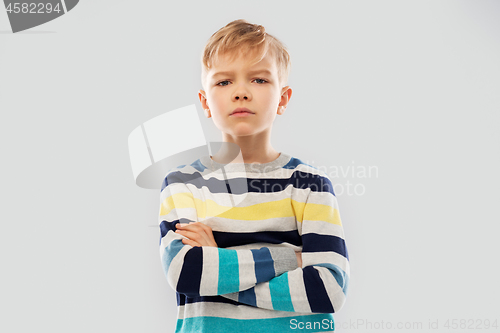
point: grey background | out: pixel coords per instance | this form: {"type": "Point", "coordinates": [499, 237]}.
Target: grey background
{"type": "Point", "coordinates": [410, 87]}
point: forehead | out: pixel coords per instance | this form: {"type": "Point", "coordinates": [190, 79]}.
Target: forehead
{"type": "Point", "coordinates": [243, 61]}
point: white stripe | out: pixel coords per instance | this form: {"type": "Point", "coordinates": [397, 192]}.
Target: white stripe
{"type": "Point", "coordinates": [256, 246]}
{"type": "Point", "coordinates": [244, 200]}
{"type": "Point", "coordinates": [168, 238]}
{"type": "Point", "coordinates": [222, 199]}
{"type": "Point", "coordinates": [316, 258]}
{"type": "Point", "coordinates": [334, 291]}
{"type": "Point", "coordinates": [173, 188]}
{"type": "Point", "coordinates": [175, 268]}
{"type": "Point", "coordinates": [64, 6]}
{"type": "Point", "coordinates": [272, 224]}
{"type": "Point", "coordinates": [210, 274]}
{"type": "Point", "coordinates": [298, 291]}
{"type": "Point", "coordinates": [183, 214]}
{"type": "Point", "coordinates": [246, 271]}
{"type": "Point", "coordinates": [232, 296]}
{"type": "Point", "coordinates": [322, 228]}
{"type": "Point", "coordinates": [224, 310]}
{"type": "Point", "coordinates": [273, 174]}
{"type": "Point", "coordinates": [263, 296]}
{"type": "Point", "coordinates": [323, 198]}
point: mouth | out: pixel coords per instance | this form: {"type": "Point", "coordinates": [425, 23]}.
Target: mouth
{"type": "Point", "coordinates": [241, 111]}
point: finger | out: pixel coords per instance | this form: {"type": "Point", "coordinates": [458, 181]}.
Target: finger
{"type": "Point", "coordinates": [203, 230]}
{"type": "Point", "coordinates": [189, 226]}
{"type": "Point", "coordinates": [201, 238]}
{"type": "Point", "coordinates": [188, 235]}
{"type": "Point", "coordinates": [190, 242]}
{"type": "Point", "coordinates": [208, 231]}
{"type": "Point", "coordinates": [184, 224]}
{"type": "Point", "coordinates": [199, 228]}
{"type": "Point", "coordinates": [210, 235]}
{"type": "Point", "coordinates": [299, 258]}
{"type": "Point", "coordinates": [205, 227]}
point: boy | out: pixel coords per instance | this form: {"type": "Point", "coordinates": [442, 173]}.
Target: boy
{"type": "Point", "coordinates": [276, 260]}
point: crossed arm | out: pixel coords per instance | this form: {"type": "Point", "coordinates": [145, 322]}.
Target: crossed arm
{"type": "Point", "coordinates": [315, 282]}
{"type": "Point", "coordinates": [199, 234]}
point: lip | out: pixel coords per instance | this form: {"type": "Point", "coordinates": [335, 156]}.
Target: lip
{"type": "Point", "coordinates": [241, 112]}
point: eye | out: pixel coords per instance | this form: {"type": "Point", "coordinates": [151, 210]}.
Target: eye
{"type": "Point", "coordinates": [222, 85]}
{"type": "Point", "coordinates": [264, 81]}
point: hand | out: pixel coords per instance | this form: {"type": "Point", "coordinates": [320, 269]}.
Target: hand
{"type": "Point", "coordinates": [299, 258]}
{"type": "Point", "coordinates": [197, 233]}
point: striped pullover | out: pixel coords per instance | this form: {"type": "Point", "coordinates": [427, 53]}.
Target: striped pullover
{"type": "Point", "coordinates": [260, 214]}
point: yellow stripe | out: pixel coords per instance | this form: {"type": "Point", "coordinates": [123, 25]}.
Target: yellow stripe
{"type": "Point", "coordinates": [261, 211]}
{"type": "Point", "coordinates": [267, 210]}
{"type": "Point", "coordinates": [182, 200]}
{"type": "Point", "coordinates": [319, 212]}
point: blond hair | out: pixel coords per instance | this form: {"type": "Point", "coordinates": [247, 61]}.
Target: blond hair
{"type": "Point", "coordinates": [241, 37]}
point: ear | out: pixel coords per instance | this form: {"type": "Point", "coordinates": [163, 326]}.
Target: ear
{"type": "Point", "coordinates": [286, 94]}
{"type": "Point", "coordinates": [204, 104]}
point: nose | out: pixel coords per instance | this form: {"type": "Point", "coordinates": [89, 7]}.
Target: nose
{"type": "Point", "coordinates": [241, 93]}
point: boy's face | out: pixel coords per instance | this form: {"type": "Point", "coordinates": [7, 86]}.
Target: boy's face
{"type": "Point", "coordinates": [255, 87]}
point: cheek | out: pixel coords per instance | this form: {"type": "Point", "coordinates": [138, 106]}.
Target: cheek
{"type": "Point", "coordinates": [216, 101]}
{"type": "Point", "coordinates": [270, 98]}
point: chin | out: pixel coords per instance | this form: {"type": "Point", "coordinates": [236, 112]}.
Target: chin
{"type": "Point", "coordinates": [242, 131]}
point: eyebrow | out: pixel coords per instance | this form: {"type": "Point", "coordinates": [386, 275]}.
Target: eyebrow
{"type": "Point", "coordinates": [264, 71]}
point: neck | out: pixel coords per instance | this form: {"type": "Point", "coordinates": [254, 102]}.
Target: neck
{"type": "Point", "coordinates": [253, 149]}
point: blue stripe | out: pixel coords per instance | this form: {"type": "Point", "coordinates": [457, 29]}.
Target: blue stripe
{"type": "Point", "coordinates": [170, 252]}
{"type": "Point", "coordinates": [248, 297]}
{"type": "Point", "coordinates": [181, 177]}
{"type": "Point", "coordinates": [323, 243]}
{"type": "Point", "coordinates": [243, 185]}
{"type": "Point", "coordinates": [228, 239]}
{"type": "Point", "coordinates": [322, 322]}
{"type": "Point", "coordinates": [316, 183]}
{"type": "Point", "coordinates": [190, 277]}
{"type": "Point", "coordinates": [338, 273]}
{"type": "Point", "coordinates": [294, 163]}
{"type": "Point", "coordinates": [165, 226]}
{"type": "Point", "coordinates": [196, 164]}
{"type": "Point", "coordinates": [280, 293]}
{"type": "Point", "coordinates": [229, 279]}
{"type": "Point", "coordinates": [183, 299]}
{"type": "Point", "coordinates": [316, 291]}
{"type": "Point", "coordinates": [264, 265]}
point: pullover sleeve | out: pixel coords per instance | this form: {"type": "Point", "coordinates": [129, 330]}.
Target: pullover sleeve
{"type": "Point", "coordinates": [321, 284]}
{"type": "Point", "coordinates": [210, 271]}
